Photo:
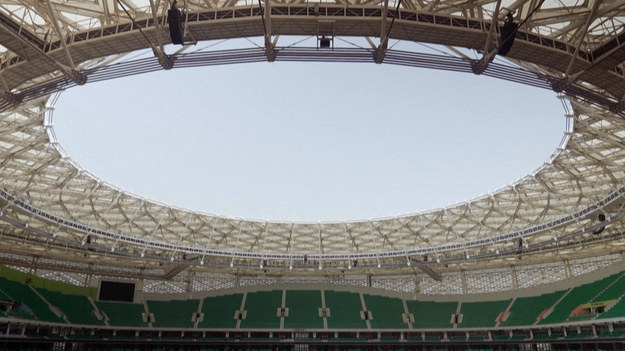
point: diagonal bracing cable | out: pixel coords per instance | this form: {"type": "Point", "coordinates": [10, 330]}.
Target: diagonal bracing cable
{"type": "Point", "coordinates": [513, 34]}
{"type": "Point", "coordinates": [154, 48]}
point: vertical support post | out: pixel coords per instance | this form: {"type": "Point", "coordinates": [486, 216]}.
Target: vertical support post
{"type": "Point", "coordinates": [591, 16]}
{"type": "Point", "coordinates": [61, 36]}
{"type": "Point", "coordinates": [267, 26]}
{"type": "Point", "coordinates": [69, 70]}
{"type": "Point", "coordinates": [189, 282]}
{"type": "Point", "coordinates": [493, 25]}
{"type": "Point", "coordinates": [157, 25]}
{"type": "Point", "coordinates": [88, 277]}
{"type": "Point", "coordinates": [463, 279]}
{"type": "Point", "coordinates": [513, 276]}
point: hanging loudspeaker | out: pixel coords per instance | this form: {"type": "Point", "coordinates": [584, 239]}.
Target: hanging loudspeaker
{"type": "Point", "coordinates": [508, 32]}
{"type": "Point", "coordinates": [175, 25]}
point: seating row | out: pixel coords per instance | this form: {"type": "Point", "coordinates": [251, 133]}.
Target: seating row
{"type": "Point", "coordinates": [316, 309]}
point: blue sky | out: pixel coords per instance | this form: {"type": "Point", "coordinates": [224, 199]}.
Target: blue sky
{"type": "Point", "coordinates": [309, 141]}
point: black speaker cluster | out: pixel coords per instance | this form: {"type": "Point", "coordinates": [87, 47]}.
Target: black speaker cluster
{"type": "Point", "coordinates": [174, 19]}
{"type": "Point", "coordinates": [508, 32]}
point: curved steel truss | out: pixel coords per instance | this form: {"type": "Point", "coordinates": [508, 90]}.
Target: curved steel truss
{"type": "Point", "coordinates": [571, 205]}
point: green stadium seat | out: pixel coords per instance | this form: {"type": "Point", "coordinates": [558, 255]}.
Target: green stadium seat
{"type": "Point", "coordinates": [432, 338]}
{"type": "Point", "coordinates": [219, 311]}
{"type": "Point", "coordinates": [84, 336]}
{"type": "Point", "coordinates": [303, 308]}
{"type": "Point", "coordinates": [578, 336]}
{"type": "Point", "coordinates": [4, 296]}
{"type": "Point", "coordinates": [123, 314]}
{"type": "Point", "coordinates": [262, 310]}
{"type": "Point", "coordinates": [33, 334]}
{"type": "Point", "coordinates": [173, 313]}
{"type": "Point", "coordinates": [577, 296]}
{"type": "Point", "coordinates": [77, 309]}
{"type": "Point", "coordinates": [614, 291]}
{"type": "Point", "coordinates": [213, 339]}
{"type": "Point", "coordinates": [257, 338]}
{"type": "Point", "coordinates": [125, 337]}
{"type": "Point", "coordinates": [308, 339]}
{"type": "Point", "coordinates": [345, 310]}
{"type": "Point", "coordinates": [526, 310]}
{"type": "Point", "coordinates": [611, 334]}
{"type": "Point", "coordinates": [430, 314]}
{"type": "Point", "coordinates": [481, 314]}
{"type": "Point", "coordinates": [55, 336]}
{"type": "Point", "coordinates": [458, 338]}
{"type": "Point", "coordinates": [347, 340]}
{"type": "Point", "coordinates": [547, 336]}
{"type": "Point", "coordinates": [24, 294]}
{"type": "Point", "coordinates": [615, 311]}
{"type": "Point", "coordinates": [386, 311]}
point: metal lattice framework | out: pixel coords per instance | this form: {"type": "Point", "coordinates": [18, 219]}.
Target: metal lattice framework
{"type": "Point", "coordinates": [51, 208]}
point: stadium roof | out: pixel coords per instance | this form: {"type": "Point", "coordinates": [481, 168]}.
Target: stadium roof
{"type": "Point", "coordinates": [571, 206]}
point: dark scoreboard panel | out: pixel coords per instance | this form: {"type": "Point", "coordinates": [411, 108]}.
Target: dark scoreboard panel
{"type": "Point", "coordinates": [116, 291]}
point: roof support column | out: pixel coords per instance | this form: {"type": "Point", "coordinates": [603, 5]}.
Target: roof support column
{"type": "Point", "coordinates": [589, 19]}
{"type": "Point", "coordinates": [320, 245]}
{"type": "Point", "coordinates": [164, 60]}
{"type": "Point", "coordinates": [189, 281]}
{"type": "Point", "coordinates": [463, 280]}
{"type": "Point", "coordinates": [567, 269]}
{"type": "Point", "coordinates": [380, 52]}
{"type": "Point", "coordinates": [11, 98]}
{"type": "Point", "coordinates": [266, 17]}
{"type": "Point", "coordinates": [7, 96]}
{"type": "Point", "coordinates": [487, 57]}
{"type": "Point", "coordinates": [70, 71]}
{"type": "Point", "coordinates": [515, 282]}
{"type": "Point", "coordinates": [378, 55]}
{"type": "Point", "coordinates": [157, 25]}
{"type": "Point", "coordinates": [88, 276]}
